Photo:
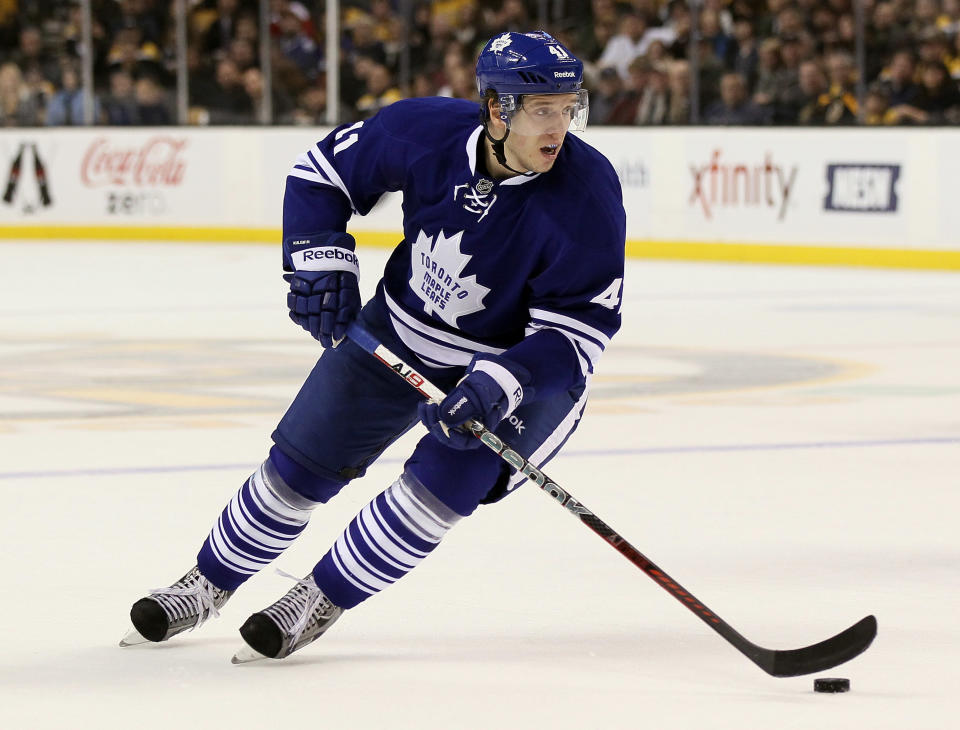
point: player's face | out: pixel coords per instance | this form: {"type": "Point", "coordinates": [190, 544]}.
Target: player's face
{"type": "Point", "coordinates": [537, 130]}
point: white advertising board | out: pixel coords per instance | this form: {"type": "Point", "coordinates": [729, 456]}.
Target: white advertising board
{"type": "Point", "coordinates": [874, 189]}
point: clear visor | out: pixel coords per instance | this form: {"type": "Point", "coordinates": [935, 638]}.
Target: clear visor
{"type": "Point", "coordinates": [538, 114]}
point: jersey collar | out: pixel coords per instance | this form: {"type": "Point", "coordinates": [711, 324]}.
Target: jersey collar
{"type": "Point", "coordinates": [472, 161]}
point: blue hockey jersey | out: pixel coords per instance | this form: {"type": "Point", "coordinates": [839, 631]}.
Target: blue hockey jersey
{"type": "Point", "coordinates": [483, 263]}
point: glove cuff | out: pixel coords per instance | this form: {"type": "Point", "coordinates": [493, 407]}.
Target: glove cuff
{"type": "Point", "coordinates": [325, 251]}
{"type": "Point", "coordinates": [325, 258]}
{"type": "Point", "coordinates": [507, 379]}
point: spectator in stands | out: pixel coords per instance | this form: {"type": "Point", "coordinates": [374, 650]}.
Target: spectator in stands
{"type": "Point", "coordinates": [933, 46]}
{"type": "Point", "coordinates": [222, 30]}
{"type": "Point", "coordinates": [735, 106]}
{"type": "Point", "coordinates": [654, 105]}
{"type": "Point", "coordinates": [607, 93]}
{"type": "Point", "coordinates": [626, 45]}
{"type": "Point", "coordinates": [243, 53]}
{"type": "Point", "coordinates": [839, 104]}
{"type": "Point", "coordinates": [31, 55]}
{"type": "Point", "coordinates": [135, 55]}
{"type": "Point", "coordinates": [512, 16]}
{"type": "Point", "coordinates": [152, 109]}
{"type": "Point", "coordinates": [18, 107]}
{"type": "Point", "coordinates": [202, 82]}
{"type": "Point", "coordinates": [923, 17]}
{"type": "Point", "coordinates": [746, 56]}
{"type": "Point", "coordinates": [805, 106]}
{"type": "Point", "coordinates": [280, 103]}
{"type": "Point", "coordinates": [678, 111]}
{"type": "Point", "coordinates": [938, 101]}
{"type": "Point", "coordinates": [768, 70]}
{"type": "Point", "coordinates": [120, 105]}
{"type": "Point", "coordinates": [886, 36]}
{"type": "Point", "coordinates": [380, 91]}
{"type": "Point", "coordinates": [311, 108]}
{"type": "Point", "coordinates": [228, 103]}
{"type": "Point", "coordinates": [461, 83]}
{"type": "Point", "coordinates": [899, 79]}
{"type": "Point", "coordinates": [722, 45]}
{"type": "Point", "coordinates": [592, 38]}
{"type": "Point", "coordinates": [297, 46]}
{"type": "Point", "coordinates": [948, 22]}
{"type": "Point", "coordinates": [66, 107]}
{"type": "Point", "coordinates": [624, 111]}
{"type": "Point", "coordinates": [876, 106]}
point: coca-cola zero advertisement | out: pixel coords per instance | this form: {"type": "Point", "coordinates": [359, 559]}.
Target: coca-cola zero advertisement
{"type": "Point", "coordinates": [135, 175]}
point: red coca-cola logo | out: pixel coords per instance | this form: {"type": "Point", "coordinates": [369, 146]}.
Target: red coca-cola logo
{"type": "Point", "coordinates": [157, 162]}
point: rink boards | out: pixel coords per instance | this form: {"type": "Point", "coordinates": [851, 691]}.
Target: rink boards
{"type": "Point", "coordinates": [844, 196]}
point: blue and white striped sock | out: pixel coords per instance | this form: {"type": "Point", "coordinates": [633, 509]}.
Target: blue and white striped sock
{"type": "Point", "coordinates": [258, 524]}
{"type": "Point", "coordinates": [383, 543]}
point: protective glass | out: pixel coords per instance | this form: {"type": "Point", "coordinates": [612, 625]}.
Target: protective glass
{"type": "Point", "coordinates": [532, 117]}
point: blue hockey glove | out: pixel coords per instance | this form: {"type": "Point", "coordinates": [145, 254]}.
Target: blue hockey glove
{"type": "Point", "coordinates": [324, 291]}
{"type": "Point", "coordinates": [492, 388]}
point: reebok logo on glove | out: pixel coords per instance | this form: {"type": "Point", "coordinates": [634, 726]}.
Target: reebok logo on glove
{"type": "Point", "coordinates": [315, 254]}
{"type": "Point", "coordinates": [457, 406]}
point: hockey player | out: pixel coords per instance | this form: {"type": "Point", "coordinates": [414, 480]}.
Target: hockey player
{"type": "Point", "coordinates": [505, 290]}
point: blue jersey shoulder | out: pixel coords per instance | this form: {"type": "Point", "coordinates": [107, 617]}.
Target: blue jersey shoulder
{"type": "Point", "coordinates": [429, 121]}
{"type": "Point", "coordinates": [587, 184]}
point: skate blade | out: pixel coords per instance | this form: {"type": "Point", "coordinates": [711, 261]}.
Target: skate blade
{"type": "Point", "coordinates": [247, 655]}
{"type": "Point", "coordinates": [133, 638]}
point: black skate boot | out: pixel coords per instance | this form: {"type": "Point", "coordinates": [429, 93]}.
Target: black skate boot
{"type": "Point", "coordinates": [181, 607]}
{"type": "Point", "coordinates": [297, 619]}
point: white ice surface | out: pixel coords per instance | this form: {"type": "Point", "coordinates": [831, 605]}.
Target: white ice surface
{"type": "Point", "coordinates": [785, 442]}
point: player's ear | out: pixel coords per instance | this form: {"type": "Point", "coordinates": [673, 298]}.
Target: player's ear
{"type": "Point", "coordinates": [493, 112]}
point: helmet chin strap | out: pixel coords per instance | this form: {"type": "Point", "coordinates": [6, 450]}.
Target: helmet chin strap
{"type": "Point", "coordinates": [500, 153]}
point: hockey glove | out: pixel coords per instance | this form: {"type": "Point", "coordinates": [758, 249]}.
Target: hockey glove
{"type": "Point", "coordinates": [324, 292]}
{"type": "Point", "coordinates": [490, 391]}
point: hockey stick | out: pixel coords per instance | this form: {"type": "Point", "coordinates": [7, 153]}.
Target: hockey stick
{"type": "Point", "coordinates": [777, 662]}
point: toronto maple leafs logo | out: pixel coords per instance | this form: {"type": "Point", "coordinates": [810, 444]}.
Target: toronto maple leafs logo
{"type": "Point", "coordinates": [500, 43]}
{"type": "Point", "coordinates": [436, 267]}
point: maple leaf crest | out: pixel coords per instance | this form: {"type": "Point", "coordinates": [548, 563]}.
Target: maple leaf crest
{"type": "Point", "coordinates": [435, 278]}
{"type": "Point", "coordinates": [500, 43]}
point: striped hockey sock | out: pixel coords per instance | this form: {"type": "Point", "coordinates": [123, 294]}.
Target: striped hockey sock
{"type": "Point", "coordinates": [383, 543]}
{"type": "Point", "coordinates": [260, 522]}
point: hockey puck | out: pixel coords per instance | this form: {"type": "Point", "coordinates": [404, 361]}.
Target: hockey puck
{"type": "Point", "coordinates": [832, 685]}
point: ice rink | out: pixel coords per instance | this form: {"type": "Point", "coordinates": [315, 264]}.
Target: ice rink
{"type": "Point", "coordinates": [784, 441]}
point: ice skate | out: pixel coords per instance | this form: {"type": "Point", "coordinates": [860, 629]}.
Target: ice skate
{"type": "Point", "coordinates": [181, 607]}
{"type": "Point", "coordinates": [297, 619]}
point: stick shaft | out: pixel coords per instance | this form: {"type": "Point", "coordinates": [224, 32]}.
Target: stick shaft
{"type": "Point", "coordinates": [838, 649]}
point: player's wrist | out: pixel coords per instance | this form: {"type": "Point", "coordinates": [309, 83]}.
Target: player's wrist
{"type": "Point", "coordinates": [512, 379]}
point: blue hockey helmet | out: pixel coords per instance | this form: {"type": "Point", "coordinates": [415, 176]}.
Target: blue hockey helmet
{"type": "Point", "coordinates": [514, 64]}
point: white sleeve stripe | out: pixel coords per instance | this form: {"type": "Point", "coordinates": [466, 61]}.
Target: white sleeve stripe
{"type": "Point", "coordinates": [307, 162]}
{"type": "Point", "coordinates": [439, 335]}
{"type": "Point", "coordinates": [328, 169]}
{"type": "Point", "coordinates": [574, 324]}
{"type": "Point", "coordinates": [590, 348]}
{"type": "Point", "coordinates": [504, 378]}
{"type": "Point", "coordinates": [586, 364]}
{"type": "Point", "coordinates": [309, 176]}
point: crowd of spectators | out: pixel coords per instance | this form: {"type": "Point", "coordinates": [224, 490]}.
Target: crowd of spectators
{"type": "Point", "coordinates": [759, 61]}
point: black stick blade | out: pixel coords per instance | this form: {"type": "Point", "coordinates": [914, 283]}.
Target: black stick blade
{"type": "Point", "coordinates": [836, 650]}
